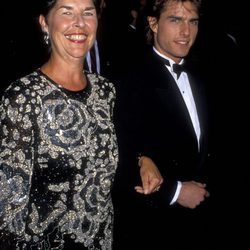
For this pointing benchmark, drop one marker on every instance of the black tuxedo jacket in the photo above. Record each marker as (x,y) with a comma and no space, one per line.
(159,125)
(152,119)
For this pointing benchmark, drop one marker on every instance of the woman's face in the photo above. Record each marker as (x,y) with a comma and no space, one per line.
(71,26)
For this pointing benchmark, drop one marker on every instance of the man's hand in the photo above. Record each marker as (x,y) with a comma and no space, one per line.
(192,194)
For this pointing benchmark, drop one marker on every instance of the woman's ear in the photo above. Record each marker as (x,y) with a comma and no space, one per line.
(43,24)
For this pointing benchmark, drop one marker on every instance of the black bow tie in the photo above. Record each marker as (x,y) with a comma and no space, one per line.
(177,68)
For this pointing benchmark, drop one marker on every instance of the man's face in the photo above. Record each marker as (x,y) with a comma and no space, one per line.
(176,30)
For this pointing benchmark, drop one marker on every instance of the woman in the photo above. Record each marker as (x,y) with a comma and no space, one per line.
(57,142)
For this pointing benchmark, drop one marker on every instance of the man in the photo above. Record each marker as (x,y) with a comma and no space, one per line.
(92,63)
(170,127)
(97,59)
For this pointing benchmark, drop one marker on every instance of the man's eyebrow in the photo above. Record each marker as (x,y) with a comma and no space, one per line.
(173,16)
(180,18)
(70,7)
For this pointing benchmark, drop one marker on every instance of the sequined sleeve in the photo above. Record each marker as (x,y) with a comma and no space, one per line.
(15,160)
(111,98)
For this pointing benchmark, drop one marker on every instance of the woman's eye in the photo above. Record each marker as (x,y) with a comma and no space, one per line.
(67,13)
(88,13)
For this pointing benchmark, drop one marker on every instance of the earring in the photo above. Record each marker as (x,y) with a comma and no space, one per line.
(46,38)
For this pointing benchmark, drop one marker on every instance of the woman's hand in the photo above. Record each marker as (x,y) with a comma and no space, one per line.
(150,176)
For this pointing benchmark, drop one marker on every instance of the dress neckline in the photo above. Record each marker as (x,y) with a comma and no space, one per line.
(86,89)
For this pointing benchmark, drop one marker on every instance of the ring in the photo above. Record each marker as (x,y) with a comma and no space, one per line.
(157,189)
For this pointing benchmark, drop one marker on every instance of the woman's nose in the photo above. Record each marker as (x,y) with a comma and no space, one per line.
(79,21)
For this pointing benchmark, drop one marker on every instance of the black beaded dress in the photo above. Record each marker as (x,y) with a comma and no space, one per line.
(58,157)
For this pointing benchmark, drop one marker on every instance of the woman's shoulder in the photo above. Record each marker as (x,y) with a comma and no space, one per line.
(24,81)
(100,82)
(23,86)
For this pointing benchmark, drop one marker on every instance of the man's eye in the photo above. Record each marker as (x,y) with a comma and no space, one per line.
(175,20)
(195,22)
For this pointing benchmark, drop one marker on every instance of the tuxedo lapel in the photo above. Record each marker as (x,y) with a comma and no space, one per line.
(172,101)
(200,102)
(169,94)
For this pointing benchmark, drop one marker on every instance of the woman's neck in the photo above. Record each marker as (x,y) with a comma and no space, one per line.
(70,77)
